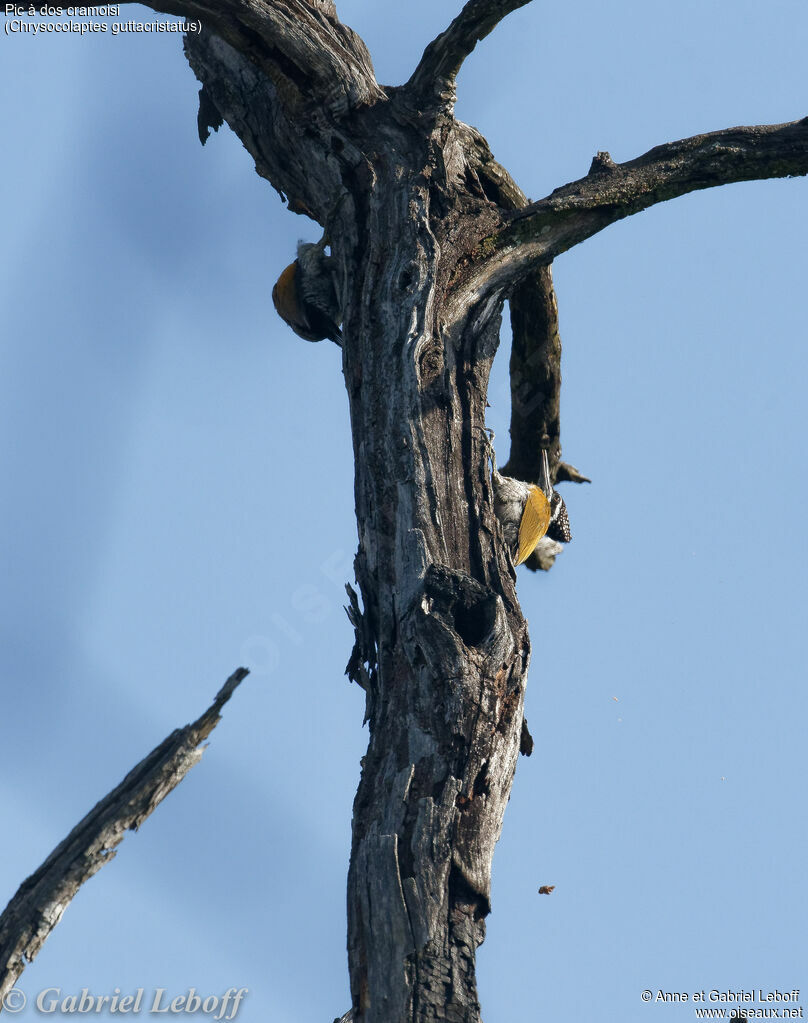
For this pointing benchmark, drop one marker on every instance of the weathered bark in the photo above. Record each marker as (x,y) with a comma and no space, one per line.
(430,237)
(452,644)
(611,191)
(41,899)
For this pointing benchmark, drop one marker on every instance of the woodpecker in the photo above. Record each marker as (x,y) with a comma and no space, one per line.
(531,516)
(305,296)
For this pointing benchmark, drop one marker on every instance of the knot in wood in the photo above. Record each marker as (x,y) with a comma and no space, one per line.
(602,163)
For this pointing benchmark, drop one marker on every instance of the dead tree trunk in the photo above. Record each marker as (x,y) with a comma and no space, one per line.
(444,642)
(429,236)
(448,647)
(452,648)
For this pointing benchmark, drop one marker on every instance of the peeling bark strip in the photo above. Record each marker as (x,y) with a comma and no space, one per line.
(41,899)
(429,236)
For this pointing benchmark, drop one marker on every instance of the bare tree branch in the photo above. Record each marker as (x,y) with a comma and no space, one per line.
(574,212)
(535,371)
(268,69)
(40,900)
(535,364)
(432,84)
(301,46)
(535,376)
(265,118)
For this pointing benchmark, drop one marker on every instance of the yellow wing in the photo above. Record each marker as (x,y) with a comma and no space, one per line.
(535,520)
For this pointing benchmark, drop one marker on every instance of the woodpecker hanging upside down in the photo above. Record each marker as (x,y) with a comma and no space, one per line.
(531,516)
(305,296)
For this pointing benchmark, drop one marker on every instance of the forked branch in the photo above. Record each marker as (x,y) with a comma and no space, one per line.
(40,900)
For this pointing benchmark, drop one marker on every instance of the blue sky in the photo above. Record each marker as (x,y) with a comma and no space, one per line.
(155,414)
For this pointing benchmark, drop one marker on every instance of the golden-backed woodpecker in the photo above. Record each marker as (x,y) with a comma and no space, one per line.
(531,516)
(305,296)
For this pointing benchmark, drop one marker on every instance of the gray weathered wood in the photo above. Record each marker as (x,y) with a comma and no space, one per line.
(41,899)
